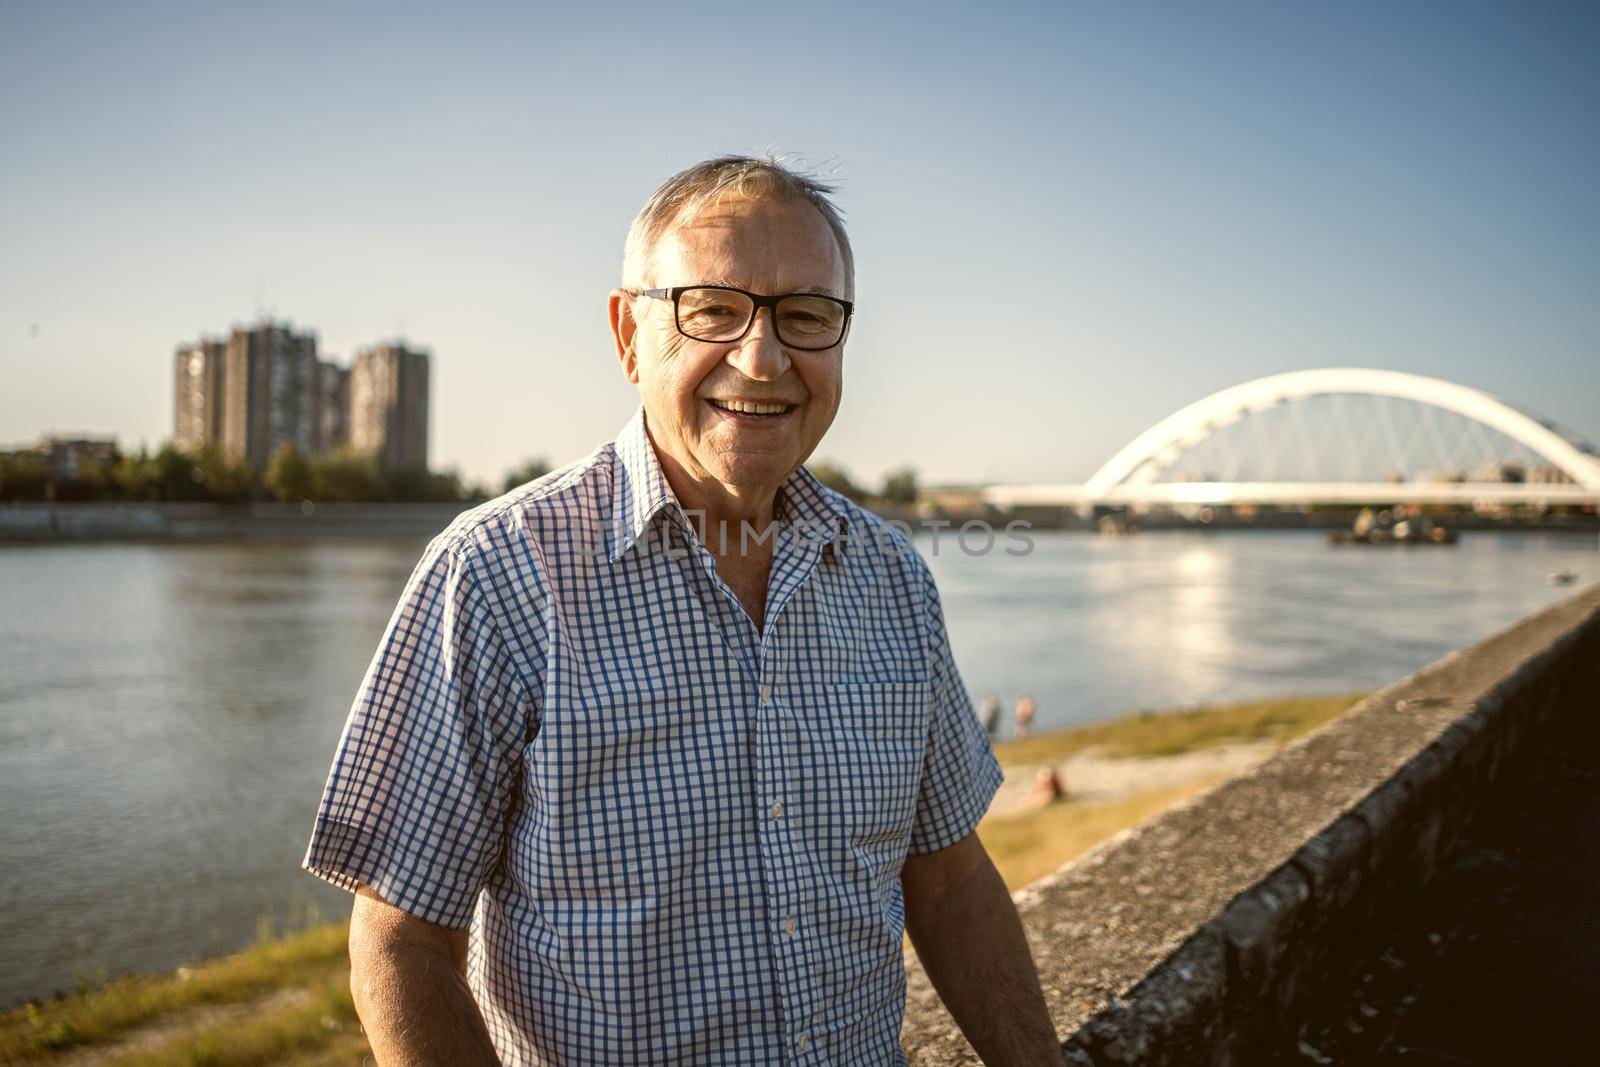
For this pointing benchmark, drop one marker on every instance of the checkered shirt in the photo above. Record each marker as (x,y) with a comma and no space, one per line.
(675,840)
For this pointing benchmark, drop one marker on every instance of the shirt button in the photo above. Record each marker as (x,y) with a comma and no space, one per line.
(802,1042)
(766,694)
(776,811)
(790,925)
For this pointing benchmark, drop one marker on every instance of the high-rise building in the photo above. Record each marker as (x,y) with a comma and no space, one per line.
(197,407)
(333,405)
(264,386)
(269,387)
(389,404)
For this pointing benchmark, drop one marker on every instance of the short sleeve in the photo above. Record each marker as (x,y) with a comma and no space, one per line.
(426,769)
(960,774)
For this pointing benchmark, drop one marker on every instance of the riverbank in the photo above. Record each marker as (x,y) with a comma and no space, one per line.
(48,523)
(55,523)
(286,1001)
(1118,773)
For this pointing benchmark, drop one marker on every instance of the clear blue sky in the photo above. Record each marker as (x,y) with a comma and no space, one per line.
(1070,219)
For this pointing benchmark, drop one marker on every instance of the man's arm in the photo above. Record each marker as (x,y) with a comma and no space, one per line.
(970,940)
(407,976)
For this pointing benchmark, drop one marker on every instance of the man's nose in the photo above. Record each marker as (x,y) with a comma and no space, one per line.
(760,355)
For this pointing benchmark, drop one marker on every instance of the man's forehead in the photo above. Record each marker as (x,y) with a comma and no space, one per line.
(744,283)
(731,242)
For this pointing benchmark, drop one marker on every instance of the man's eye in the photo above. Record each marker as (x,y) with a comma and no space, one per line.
(802,322)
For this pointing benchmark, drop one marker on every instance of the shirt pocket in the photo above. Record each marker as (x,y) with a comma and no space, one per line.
(880,733)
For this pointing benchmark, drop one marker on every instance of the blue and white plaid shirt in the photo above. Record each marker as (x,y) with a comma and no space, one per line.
(675,840)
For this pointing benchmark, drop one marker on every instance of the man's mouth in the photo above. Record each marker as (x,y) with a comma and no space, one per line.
(760,409)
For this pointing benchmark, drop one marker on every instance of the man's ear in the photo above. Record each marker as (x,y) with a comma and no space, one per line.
(624,331)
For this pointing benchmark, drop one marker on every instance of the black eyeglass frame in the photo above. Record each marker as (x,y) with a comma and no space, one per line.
(758,302)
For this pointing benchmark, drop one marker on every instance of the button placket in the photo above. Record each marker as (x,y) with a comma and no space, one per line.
(694,565)
(784,901)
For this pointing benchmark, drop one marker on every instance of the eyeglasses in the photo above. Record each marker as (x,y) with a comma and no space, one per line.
(721,313)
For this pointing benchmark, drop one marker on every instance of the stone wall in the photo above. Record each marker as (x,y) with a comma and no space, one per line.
(1203,935)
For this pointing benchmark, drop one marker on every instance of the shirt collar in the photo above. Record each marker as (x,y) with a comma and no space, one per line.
(640,491)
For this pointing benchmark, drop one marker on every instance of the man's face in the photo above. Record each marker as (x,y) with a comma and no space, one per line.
(766,247)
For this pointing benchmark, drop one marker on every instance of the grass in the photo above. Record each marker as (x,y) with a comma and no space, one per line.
(225,1011)
(107,1013)
(322,1029)
(1150,733)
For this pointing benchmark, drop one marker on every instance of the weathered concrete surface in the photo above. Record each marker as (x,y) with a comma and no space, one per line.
(1195,938)
(1498,962)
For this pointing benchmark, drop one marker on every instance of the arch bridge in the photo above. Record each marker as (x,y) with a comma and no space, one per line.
(1338,435)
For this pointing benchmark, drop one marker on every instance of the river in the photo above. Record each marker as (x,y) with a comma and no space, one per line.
(168,712)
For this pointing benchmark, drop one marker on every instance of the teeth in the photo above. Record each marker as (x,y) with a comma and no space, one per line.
(745,407)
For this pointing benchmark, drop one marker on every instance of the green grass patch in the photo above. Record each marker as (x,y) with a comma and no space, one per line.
(323,1027)
(346,1050)
(1167,733)
(100,1015)
(341,1050)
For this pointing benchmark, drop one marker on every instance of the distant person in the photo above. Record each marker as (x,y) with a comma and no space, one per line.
(1022,718)
(625,786)
(989,715)
(1047,787)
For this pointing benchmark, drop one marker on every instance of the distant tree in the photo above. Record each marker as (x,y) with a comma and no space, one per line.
(900,486)
(407,484)
(90,479)
(223,482)
(136,477)
(835,478)
(348,476)
(23,476)
(530,469)
(415,484)
(444,487)
(176,476)
(289,475)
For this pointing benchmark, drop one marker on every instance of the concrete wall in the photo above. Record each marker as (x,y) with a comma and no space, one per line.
(1205,934)
(21,523)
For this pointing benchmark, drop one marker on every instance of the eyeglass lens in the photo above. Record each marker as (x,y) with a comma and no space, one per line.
(721,315)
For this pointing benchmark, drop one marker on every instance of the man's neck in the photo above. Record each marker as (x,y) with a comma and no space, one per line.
(734,524)
(720,512)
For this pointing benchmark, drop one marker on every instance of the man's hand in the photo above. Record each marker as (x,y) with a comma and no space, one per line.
(407,977)
(970,940)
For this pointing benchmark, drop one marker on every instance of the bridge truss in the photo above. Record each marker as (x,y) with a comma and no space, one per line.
(1339,435)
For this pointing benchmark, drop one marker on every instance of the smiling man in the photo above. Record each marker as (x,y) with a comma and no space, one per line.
(661,753)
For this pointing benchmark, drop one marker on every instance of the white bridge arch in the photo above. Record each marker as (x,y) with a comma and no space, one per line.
(1128,477)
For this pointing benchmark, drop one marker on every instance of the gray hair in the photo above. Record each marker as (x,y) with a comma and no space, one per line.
(689,192)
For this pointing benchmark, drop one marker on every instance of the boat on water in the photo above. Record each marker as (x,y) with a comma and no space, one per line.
(1381,528)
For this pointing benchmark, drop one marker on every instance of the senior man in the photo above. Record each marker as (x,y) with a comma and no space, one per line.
(661,753)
